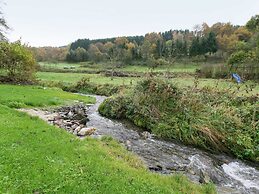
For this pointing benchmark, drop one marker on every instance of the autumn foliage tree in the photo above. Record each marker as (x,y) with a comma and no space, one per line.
(17,61)
(50,54)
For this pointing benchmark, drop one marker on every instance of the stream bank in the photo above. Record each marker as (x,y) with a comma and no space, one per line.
(228,174)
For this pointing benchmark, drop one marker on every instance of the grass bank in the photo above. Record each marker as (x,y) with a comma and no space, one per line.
(29,96)
(210,118)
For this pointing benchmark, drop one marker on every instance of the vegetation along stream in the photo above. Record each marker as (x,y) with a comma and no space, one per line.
(228,174)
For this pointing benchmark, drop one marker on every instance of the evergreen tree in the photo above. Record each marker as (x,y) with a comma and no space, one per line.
(212,46)
(173,49)
(195,47)
(167,35)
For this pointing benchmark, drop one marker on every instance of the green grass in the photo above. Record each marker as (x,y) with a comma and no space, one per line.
(39,158)
(222,84)
(75,77)
(28,96)
(75,66)
(248,88)
(59,65)
(184,68)
(172,68)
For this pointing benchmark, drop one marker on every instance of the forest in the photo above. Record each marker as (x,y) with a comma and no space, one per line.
(217,42)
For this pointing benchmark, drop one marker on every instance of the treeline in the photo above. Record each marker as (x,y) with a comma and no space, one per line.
(169,45)
(219,41)
(50,54)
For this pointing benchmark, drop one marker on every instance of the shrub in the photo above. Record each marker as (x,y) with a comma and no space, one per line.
(240,57)
(85,86)
(114,107)
(17,61)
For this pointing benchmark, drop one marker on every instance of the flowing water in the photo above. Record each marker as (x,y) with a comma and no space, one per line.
(228,174)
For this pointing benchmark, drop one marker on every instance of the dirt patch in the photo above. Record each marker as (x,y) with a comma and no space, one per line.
(42,114)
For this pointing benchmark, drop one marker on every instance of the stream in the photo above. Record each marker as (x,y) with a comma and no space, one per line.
(228,174)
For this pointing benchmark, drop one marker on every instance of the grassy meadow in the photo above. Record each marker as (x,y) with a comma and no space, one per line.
(73,67)
(178,68)
(75,77)
(37,96)
(249,88)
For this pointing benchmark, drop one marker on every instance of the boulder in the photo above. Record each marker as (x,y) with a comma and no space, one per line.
(86,131)
(70,114)
(146,135)
(77,129)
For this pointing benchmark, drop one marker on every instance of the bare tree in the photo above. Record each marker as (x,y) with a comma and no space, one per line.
(3,25)
(197,30)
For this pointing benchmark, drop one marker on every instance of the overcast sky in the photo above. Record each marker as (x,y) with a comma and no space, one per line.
(60,22)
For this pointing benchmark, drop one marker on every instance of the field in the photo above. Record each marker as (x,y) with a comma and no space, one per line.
(75,77)
(183,68)
(178,68)
(71,78)
(39,158)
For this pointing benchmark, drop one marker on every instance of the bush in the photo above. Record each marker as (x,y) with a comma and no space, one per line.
(240,57)
(245,63)
(85,86)
(114,107)
(17,61)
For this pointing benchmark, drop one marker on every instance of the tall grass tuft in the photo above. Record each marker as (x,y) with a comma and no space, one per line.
(246,71)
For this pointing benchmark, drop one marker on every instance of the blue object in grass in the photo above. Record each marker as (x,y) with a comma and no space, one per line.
(237,78)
